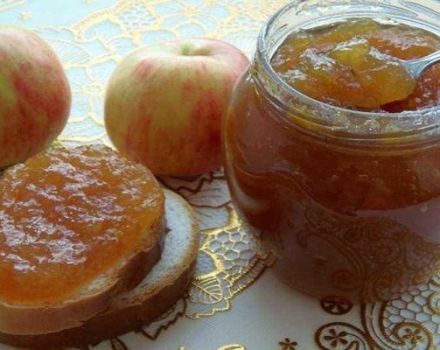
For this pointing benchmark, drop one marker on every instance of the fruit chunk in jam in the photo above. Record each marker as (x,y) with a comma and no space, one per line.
(353,64)
(68,215)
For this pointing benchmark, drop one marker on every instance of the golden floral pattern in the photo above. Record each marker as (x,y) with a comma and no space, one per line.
(341,336)
(408,322)
(231,258)
(288,344)
(336,305)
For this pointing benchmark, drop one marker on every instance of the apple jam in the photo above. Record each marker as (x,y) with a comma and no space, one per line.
(68,216)
(353,64)
(346,191)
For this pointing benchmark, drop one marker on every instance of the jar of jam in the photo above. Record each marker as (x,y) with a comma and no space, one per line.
(332,150)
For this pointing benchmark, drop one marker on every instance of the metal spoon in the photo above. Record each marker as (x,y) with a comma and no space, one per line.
(417,67)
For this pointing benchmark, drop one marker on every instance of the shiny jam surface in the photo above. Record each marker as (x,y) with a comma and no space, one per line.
(349,218)
(68,215)
(353,64)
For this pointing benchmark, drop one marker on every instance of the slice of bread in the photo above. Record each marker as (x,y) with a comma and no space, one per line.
(156,294)
(67,219)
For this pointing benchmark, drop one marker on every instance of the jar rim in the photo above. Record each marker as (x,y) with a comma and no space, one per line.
(263,56)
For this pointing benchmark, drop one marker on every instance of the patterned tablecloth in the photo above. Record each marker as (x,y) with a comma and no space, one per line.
(235,301)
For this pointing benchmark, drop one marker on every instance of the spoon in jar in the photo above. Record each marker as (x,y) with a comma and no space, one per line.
(417,66)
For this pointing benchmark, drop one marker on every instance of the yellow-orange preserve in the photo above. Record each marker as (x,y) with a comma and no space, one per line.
(349,197)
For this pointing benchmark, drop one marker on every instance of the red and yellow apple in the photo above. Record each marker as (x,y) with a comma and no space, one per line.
(34,95)
(165,103)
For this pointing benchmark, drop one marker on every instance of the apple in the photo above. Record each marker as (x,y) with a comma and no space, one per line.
(34,95)
(165,104)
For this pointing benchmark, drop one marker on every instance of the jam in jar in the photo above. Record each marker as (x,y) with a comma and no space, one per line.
(332,149)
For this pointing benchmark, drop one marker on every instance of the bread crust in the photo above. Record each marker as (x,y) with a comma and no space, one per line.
(108,325)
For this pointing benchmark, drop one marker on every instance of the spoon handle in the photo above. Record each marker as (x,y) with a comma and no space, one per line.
(417,66)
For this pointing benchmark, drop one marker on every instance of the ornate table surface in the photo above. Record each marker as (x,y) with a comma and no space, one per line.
(235,301)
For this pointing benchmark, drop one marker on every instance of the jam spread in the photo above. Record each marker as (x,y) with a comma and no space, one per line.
(352,217)
(68,215)
(353,64)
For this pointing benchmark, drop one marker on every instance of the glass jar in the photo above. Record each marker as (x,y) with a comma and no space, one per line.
(350,199)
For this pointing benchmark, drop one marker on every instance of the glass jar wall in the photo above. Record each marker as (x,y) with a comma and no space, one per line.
(349,199)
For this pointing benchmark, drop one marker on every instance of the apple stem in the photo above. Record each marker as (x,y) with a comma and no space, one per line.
(187,49)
